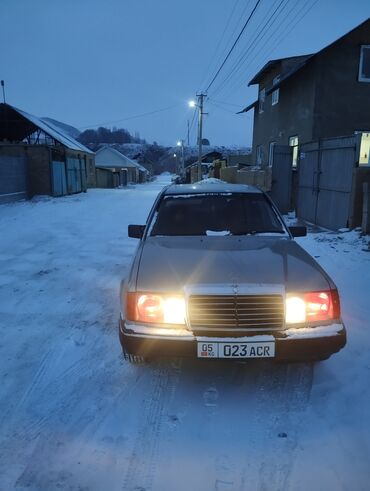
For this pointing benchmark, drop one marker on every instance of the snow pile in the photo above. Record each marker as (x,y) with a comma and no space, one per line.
(210,180)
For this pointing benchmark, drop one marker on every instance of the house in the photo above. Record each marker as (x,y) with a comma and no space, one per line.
(124,170)
(38,157)
(311,97)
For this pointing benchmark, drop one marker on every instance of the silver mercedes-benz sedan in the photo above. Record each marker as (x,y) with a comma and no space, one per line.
(217,274)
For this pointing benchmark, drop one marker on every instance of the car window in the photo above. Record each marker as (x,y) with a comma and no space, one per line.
(215,214)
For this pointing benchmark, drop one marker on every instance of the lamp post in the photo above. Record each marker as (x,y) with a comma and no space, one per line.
(180,144)
(201,97)
(176,164)
(3,87)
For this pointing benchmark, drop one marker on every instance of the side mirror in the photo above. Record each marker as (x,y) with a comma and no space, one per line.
(298,231)
(136,231)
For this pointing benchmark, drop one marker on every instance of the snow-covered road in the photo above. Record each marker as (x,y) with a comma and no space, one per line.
(75,416)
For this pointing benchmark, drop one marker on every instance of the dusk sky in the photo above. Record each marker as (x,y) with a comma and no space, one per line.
(101,62)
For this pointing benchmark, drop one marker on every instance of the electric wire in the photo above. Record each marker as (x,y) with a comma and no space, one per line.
(220,41)
(136,116)
(260,34)
(276,43)
(234,44)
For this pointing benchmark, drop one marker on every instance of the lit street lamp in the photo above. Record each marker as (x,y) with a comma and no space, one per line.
(201,98)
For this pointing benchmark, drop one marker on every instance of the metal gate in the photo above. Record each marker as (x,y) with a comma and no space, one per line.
(13,178)
(76,175)
(325,181)
(281,186)
(59,178)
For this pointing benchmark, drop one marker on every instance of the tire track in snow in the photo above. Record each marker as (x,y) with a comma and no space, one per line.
(72,435)
(284,395)
(143,460)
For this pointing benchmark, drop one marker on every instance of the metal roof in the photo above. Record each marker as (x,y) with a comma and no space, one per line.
(248,108)
(270,65)
(210,187)
(51,130)
(301,61)
(126,161)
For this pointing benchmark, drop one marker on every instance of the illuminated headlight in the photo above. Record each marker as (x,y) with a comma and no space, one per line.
(155,308)
(312,307)
(295,310)
(174,310)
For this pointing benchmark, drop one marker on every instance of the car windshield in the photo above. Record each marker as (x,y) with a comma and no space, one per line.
(215,214)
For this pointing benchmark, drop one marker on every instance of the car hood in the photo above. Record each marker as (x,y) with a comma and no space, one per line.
(173,264)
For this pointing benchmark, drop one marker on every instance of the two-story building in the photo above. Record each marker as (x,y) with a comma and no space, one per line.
(315,96)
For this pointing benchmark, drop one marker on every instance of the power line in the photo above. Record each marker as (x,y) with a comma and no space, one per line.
(130,117)
(220,40)
(277,41)
(260,34)
(234,44)
(223,102)
(214,104)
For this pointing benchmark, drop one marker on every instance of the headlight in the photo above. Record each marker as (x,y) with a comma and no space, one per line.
(312,306)
(295,310)
(155,308)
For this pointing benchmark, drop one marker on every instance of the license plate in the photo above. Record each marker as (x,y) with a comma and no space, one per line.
(260,349)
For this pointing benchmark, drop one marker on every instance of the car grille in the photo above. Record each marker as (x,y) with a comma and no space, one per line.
(240,312)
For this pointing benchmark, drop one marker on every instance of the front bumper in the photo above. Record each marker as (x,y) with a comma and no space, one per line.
(295,344)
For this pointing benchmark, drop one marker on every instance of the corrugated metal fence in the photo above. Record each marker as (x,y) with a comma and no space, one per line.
(325,181)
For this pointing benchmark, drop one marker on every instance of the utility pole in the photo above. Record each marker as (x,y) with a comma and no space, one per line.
(188,134)
(3,87)
(181,143)
(201,97)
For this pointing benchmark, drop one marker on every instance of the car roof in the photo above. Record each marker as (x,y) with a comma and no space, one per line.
(210,187)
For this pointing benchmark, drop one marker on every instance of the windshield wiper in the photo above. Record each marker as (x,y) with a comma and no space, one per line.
(254,232)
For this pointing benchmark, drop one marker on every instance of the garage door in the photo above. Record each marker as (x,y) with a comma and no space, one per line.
(13,182)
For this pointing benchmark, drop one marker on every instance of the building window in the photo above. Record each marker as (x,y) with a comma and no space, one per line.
(259,155)
(364,158)
(275,93)
(293,142)
(261,100)
(271,153)
(364,71)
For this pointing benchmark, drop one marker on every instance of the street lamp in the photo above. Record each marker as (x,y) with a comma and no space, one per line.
(201,98)
(180,144)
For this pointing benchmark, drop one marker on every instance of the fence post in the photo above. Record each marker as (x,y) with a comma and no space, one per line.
(366,208)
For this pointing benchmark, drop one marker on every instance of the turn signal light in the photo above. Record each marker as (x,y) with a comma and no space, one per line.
(155,308)
(312,307)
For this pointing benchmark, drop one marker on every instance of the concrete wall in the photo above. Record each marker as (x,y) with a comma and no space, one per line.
(239,159)
(361,176)
(39,178)
(292,115)
(342,104)
(323,99)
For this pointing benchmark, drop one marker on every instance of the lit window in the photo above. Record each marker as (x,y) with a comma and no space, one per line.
(364,158)
(293,142)
(364,69)
(271,153)
(275,94)
(261,100)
